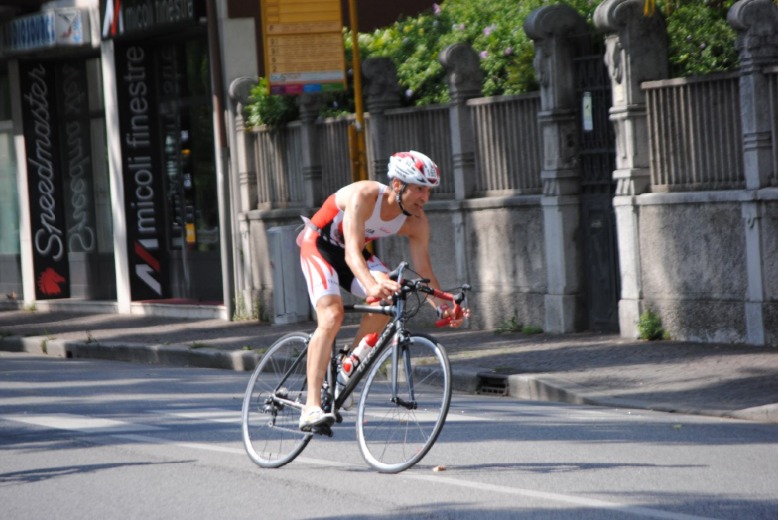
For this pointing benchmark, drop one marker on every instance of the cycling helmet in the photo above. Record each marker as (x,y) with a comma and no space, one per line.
(414,168)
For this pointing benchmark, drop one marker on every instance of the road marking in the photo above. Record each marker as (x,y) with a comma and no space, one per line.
(205,414)
(557,497)
(234,417)
(80,423)
(147,439)
(123,430)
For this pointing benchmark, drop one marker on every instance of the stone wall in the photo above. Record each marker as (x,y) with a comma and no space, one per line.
(705,261)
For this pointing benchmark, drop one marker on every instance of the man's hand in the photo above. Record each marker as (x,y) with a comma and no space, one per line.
(453,317)
(384,288)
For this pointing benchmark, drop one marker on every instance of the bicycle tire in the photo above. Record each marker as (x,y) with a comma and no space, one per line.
(271,433)
(392,437)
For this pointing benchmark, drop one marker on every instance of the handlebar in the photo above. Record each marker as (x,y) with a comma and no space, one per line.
(421,285)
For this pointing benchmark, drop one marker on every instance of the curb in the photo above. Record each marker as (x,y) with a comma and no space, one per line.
(528,387)
(172,355)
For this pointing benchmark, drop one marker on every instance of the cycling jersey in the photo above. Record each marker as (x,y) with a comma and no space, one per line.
(329,221)
(322,253)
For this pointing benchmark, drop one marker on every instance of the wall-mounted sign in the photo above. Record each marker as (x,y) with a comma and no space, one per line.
(143,174)
(44,180)
(60,27)
(303,46)
(586,112)
(131,17)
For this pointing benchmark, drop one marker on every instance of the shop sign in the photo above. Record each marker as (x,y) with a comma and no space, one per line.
(143,175)
(129,17)
(50,260)
(61,27)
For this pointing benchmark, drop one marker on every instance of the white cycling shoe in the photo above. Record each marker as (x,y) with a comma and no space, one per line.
(312,417)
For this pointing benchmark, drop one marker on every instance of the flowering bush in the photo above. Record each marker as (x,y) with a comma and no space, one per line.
(494,29)
(700,41)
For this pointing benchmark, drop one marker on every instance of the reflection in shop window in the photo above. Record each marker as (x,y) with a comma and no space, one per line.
(186,119)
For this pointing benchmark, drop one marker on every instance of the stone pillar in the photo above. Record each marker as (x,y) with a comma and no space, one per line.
(309,111)
(756,23)
(464,78)
(635,51)
(382,93)
(244,161)
(244,192)
(554,30)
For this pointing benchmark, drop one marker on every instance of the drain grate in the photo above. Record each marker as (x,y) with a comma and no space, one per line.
(492,384)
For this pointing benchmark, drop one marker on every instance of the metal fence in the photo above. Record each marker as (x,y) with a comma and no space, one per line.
(507,149)
(277,155)
(334,153)
(694,133)
(508,144)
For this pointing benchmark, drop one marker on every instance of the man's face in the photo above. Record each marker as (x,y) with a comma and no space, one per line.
(415,197)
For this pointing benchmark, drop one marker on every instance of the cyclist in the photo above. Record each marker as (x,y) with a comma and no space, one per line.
(333,255)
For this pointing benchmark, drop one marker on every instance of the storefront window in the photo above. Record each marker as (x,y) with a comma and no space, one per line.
(191,204)
(9,201)
(10,270)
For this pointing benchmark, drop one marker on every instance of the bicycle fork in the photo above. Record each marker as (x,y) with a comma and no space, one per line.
(400,352)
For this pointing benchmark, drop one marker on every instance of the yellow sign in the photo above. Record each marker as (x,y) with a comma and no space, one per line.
(303,46)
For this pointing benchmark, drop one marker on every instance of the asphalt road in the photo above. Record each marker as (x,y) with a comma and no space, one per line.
(88,439)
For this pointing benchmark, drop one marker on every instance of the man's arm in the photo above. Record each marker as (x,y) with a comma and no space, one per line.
(419,242)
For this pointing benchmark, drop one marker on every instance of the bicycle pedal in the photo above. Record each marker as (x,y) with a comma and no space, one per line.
(324,429)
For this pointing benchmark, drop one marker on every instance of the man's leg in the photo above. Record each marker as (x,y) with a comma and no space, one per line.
(329,312)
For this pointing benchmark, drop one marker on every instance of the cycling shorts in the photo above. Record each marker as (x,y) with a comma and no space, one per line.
(325,268)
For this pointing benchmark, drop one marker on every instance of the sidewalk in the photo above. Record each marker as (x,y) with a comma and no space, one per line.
(585,368)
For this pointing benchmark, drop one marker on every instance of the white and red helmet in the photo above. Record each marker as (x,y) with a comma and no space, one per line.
(414,168)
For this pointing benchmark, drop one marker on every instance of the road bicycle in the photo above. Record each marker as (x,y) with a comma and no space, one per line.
(402,406)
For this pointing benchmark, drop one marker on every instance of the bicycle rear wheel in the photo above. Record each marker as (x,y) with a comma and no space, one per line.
(395,434)
(271,433)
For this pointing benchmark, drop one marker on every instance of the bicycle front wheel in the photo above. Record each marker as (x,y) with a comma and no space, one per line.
(271,433)
(396,428)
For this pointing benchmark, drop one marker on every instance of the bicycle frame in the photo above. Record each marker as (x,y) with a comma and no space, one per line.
(393,335)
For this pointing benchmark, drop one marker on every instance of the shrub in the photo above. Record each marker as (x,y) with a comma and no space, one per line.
(701,40)
(270,110)
(650,327)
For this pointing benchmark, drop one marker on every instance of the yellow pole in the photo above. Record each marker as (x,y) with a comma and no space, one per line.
(357,131)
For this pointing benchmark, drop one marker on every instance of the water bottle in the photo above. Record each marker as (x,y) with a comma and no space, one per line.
(352,361)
